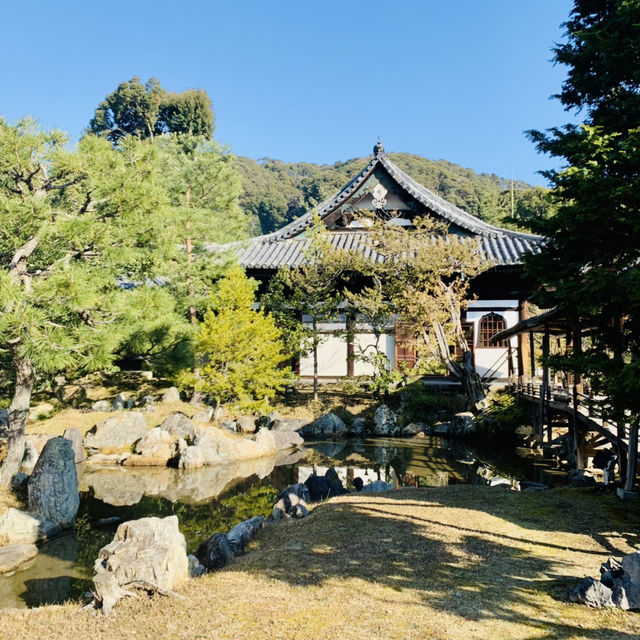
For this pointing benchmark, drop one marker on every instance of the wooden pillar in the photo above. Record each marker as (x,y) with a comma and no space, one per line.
(532,356)
(509,362)
(545,383)
(632,460)
(578,436)
(521,353)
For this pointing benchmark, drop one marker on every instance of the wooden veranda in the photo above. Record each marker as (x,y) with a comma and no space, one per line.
(560,400)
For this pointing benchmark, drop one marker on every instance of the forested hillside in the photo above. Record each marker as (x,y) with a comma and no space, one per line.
(275,192)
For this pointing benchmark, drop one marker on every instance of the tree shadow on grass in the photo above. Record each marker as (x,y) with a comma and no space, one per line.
(470,562)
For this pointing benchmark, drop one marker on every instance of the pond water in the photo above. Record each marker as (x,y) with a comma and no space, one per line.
(213,499)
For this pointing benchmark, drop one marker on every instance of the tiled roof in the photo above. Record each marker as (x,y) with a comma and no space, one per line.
(285,247)
(500,249)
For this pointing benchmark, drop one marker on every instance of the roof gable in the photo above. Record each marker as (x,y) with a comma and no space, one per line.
(384,188)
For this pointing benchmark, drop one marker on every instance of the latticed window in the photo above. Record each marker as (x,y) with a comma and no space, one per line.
(491,324)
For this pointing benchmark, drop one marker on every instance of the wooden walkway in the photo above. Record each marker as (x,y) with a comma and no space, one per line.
(581,411)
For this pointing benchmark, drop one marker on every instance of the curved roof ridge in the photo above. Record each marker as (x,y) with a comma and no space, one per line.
(300,224)
(445,208)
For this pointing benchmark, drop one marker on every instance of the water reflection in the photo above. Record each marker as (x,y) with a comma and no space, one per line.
(215,498)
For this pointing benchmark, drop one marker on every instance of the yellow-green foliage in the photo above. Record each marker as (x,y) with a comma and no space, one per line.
(239,347)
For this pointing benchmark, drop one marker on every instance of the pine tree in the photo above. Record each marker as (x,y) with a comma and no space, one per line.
(75,226)
(239,348)
(591,261)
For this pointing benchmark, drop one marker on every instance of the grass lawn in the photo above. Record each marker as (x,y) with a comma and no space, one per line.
(457,562)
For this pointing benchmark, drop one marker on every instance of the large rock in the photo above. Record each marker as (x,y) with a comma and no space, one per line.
(631,566)
(215,552)
(292,503)
(29,457)
(191,458)
(119,402)
(287,424)
(247,424)
(151,550)
(178,425)
(151,439)
(272,441)
(300,490)
(220,446)
(75,438)
(442,429)
(53,485)
(327,426)
(358,427)
(464,423)
(376,486)
(20,527)
(414,428)
(384,422)
(171,395)
(320,488)
(41,411)
(240,535)
(203,416)
(592,593)
(101,405)
(15,555)
(114,435)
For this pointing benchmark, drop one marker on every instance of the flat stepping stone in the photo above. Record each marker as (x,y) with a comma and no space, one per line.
(14,555)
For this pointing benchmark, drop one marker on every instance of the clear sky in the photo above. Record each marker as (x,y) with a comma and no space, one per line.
(306,80)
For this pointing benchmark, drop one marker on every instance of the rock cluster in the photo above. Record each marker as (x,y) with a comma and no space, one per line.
(386,424)
(619,585)
(124,439)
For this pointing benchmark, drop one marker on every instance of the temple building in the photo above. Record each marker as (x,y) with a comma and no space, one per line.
(383,188)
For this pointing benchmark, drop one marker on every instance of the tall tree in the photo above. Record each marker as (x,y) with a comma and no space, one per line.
(422,276)
(591,261)
(72,225)
(146,110)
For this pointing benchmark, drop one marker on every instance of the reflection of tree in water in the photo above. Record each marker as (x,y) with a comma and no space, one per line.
(430,462)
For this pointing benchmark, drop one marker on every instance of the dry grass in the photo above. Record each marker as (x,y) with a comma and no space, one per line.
(9,499)
(299,403)
(461,562)
(84,420)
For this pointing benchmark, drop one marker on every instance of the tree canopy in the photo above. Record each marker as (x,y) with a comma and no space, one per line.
(239,348)
(147,110)
(88,239)
(591,263)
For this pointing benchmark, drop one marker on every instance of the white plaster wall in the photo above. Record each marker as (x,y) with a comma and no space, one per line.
(362,340)
(486,359)
(332,359)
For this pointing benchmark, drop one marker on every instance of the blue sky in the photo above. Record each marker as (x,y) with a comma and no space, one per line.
(306,80)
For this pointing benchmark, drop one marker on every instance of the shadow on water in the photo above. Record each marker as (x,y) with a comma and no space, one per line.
(215,498)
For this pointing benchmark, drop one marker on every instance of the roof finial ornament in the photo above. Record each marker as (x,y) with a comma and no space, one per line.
(378,149)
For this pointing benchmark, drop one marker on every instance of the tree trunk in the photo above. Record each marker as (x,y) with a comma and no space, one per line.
(18,413)
(315,359)
(197,397)
(463,371)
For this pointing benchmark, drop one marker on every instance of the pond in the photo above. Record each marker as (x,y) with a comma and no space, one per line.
(213,499)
